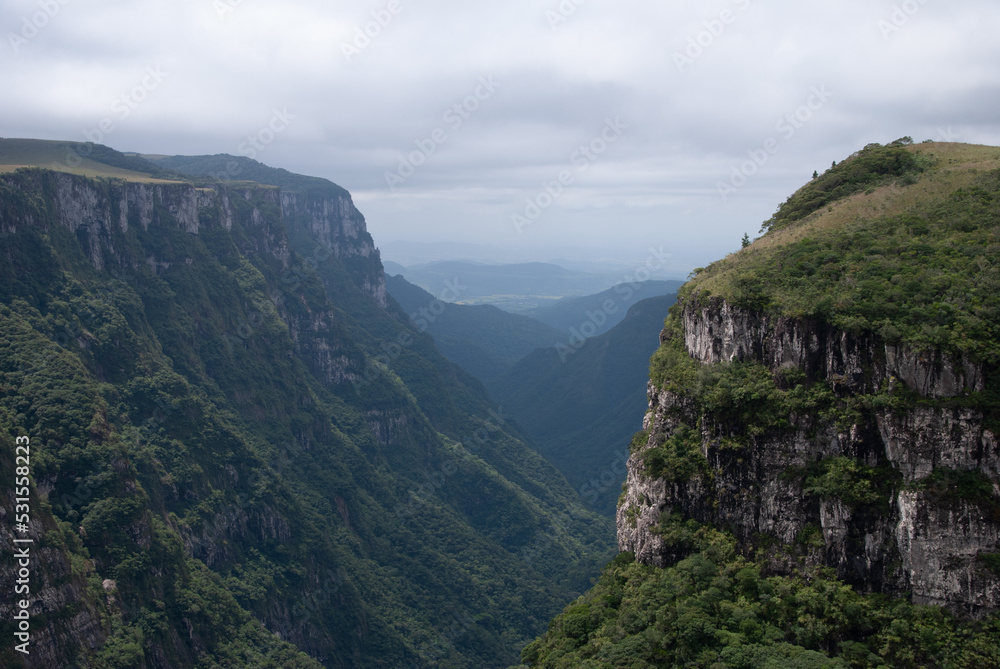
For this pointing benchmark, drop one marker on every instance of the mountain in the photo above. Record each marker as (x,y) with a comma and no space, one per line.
(394,269)
(517,287)
(596,314)
(817,482)
(224,167)
(86,159)
(481,339)
(581,400)
(237,450)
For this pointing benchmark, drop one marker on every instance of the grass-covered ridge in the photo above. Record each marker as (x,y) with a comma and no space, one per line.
(873,166)
(906,250)
(715,609)
(81,158)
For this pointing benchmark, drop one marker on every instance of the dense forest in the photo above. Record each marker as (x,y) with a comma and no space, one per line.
(242,451)
(817,483)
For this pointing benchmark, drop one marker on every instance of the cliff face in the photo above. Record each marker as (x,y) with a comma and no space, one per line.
(335,226)
(129,230)
(232,418)
(96,213)
(905,534)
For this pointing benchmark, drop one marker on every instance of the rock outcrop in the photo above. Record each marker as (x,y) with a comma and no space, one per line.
(915,536)
(101,213)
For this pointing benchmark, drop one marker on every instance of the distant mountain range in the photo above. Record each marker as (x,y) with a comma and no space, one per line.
(608,260)
(592,315)
(481,339)
(518,288)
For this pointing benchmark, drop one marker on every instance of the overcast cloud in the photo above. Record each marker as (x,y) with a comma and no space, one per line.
(581,128)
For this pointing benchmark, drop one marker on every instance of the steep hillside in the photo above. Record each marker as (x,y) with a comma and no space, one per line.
(581,401)
(243,454)
(818,479)
(479,338)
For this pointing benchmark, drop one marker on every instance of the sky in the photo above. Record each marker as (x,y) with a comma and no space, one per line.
(625,132)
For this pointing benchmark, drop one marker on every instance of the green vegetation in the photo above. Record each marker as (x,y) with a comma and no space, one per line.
(873,166)
(82,158)
(715,609)
(201,444)
(898,242)
(852,482)
(224,167)
(581,403)
(481,339)
(747,400)
(992,561)
(912,266)
(954,486)
(677,459)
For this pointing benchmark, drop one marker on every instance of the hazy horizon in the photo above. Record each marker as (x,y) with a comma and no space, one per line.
(572,129)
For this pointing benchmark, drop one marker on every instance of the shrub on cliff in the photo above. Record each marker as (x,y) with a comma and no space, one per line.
(716,609)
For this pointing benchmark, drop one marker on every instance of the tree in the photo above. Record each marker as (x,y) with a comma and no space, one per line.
(746,240)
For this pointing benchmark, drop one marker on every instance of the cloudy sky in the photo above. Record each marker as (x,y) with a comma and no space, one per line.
(533,129)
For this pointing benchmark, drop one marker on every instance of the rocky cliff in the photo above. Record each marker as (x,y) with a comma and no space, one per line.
(816,480)
(132,230)
(247,455)
(822,444)
(98,212)
(908,540)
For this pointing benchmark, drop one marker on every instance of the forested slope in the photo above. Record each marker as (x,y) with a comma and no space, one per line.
(243,454)
(817,481)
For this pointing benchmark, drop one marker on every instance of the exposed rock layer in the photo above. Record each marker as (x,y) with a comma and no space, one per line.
(71,617)
(916,542)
